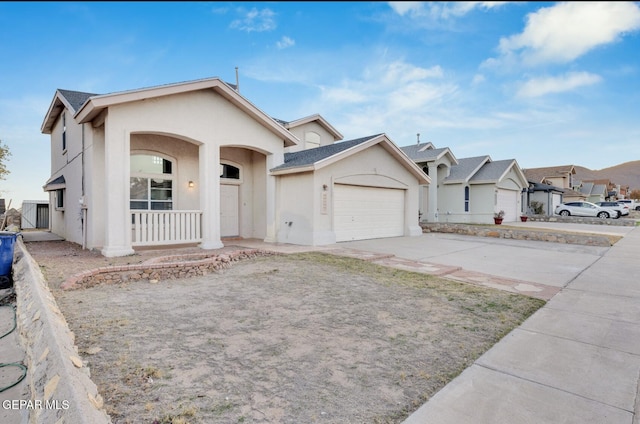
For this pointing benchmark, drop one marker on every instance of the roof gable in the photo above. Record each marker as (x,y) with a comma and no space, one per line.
(538,175)
(465,169)
(495,171)
(308,157)
(426,152)
(71,100)
(319,157)
(316,117)
(95,104)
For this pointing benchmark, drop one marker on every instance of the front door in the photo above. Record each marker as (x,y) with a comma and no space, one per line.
(229,210)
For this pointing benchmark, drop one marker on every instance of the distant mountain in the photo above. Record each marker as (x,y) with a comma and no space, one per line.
(625,174)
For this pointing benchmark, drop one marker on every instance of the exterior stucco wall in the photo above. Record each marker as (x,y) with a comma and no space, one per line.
(68,163)
(482,200)
(202,117)
(483,203)
(94,182)
(451,203)
(294,216)
(300,131)
(511,181)
(562,182)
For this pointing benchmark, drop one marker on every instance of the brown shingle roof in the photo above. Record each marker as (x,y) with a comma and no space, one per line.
(538,175)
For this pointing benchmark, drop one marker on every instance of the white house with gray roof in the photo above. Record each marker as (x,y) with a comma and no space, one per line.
(196,163)
(468,190)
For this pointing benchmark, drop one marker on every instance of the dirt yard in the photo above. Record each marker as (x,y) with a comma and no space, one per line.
(301,338)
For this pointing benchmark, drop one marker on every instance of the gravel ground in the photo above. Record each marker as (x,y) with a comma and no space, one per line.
(300,338)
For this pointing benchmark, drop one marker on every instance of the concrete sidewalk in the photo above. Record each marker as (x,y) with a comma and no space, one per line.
(576,360)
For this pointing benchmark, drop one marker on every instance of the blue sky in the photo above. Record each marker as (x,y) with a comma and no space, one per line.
(544,83)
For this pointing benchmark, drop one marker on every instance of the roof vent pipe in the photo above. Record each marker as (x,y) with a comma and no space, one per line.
(418,138)
(237,81)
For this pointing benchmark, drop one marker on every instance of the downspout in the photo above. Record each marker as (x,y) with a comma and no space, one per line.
(83,206)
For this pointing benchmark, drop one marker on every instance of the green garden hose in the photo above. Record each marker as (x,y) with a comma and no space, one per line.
(15,364)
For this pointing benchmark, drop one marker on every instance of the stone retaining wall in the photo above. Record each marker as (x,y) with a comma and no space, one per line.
(517,234)
(60,383)
(164,268)
(623,222)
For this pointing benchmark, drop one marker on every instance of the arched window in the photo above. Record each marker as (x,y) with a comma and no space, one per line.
(151,183)
(466,199)
(229,171)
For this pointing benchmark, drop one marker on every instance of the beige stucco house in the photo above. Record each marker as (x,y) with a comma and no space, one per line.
(196,162)
(467,190)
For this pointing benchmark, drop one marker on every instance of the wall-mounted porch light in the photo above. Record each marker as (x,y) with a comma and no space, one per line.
(191,184)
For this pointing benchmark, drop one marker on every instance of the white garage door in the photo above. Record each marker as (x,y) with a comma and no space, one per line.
(508,202)
(362,213)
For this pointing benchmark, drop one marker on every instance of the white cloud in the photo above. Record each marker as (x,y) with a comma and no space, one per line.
(478,79)
(537,87)
(440,10)
(394,97)
(342,95)
(255,20)
(285,42)
(566,31)
(406,7)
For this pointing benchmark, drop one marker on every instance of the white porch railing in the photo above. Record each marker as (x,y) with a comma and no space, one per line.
(154,228)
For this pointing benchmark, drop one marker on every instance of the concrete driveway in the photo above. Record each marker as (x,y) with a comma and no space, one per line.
(551,264)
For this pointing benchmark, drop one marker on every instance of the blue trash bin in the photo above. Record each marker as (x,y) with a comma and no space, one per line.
(7,241)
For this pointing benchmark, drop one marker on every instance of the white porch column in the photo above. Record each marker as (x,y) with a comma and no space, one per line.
(273,160)
(117,220)
(209,164)
(432,212)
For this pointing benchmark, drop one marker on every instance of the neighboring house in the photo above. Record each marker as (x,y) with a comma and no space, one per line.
(195,162)
(436,163)
(594,192)
(543,196)
(561,177)
(468,190)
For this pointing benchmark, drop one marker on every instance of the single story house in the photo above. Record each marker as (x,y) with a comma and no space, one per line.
(467,190)
(195,162)
(594,192)
(542,199)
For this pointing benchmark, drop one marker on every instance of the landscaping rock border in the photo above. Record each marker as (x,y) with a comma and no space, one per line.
(162,268)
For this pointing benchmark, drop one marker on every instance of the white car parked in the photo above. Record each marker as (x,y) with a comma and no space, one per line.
(632,204)
(585,209)
(623,209)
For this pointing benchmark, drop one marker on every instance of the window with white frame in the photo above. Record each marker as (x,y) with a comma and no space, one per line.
(151,182)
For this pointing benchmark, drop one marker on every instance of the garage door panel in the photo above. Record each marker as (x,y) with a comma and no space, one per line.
(508,202)
(367,212)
